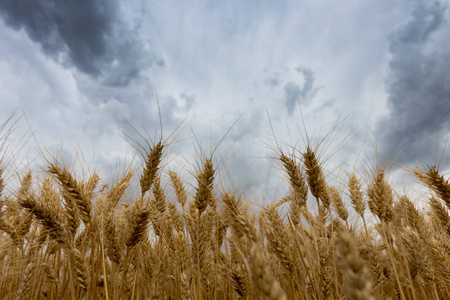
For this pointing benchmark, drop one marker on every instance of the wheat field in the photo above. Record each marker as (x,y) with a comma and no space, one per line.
(64,236)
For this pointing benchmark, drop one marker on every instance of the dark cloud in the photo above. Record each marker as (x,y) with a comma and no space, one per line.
(189,100)
(418,84)
(294,92)
(273,81)
(86,34)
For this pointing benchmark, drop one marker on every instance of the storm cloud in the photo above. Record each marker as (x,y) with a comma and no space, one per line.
(93,68)
(418,84)
(88,35)
(294,92)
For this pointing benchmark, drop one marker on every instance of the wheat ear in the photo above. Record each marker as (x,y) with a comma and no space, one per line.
(314,173)
(138,221)
(203,193)
(296,180)
(117,191)
(263,278)
(436,182)
(357,285)
(72,193)
(441,214)
(151,167)
(50,220)
(338,203)
(179,188)
(2,182)
(238,221)
(381,199)
(356,195)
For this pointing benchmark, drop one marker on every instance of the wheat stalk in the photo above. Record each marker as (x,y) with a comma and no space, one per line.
(356,282)
(151,167)
(203,193)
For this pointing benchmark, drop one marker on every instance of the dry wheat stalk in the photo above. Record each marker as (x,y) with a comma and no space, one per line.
(204,191)
(325,268)
(185,290)
(87,189)
(356,195)
(414,219)
(436,182)
(338,203)
(25,287)
(118,190)
(175,217)
(24,222)
(151,167)
(419,257)
(74,203)
(179,188)
(263,278)
(296,180)
(279,240)
(50,219)
(80,270)
(356,280)
(441,214)
(315,177)
(158,199)
(381,199)
(441,257)
(237,219)
(239,280)
(308,254)
(138,220)
(112,242)
(2,183)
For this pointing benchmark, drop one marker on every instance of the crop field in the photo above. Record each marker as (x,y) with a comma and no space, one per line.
(67,236)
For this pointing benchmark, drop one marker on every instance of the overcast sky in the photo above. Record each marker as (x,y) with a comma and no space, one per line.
(81,70)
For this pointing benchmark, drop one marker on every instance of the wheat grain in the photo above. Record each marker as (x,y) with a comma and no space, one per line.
(267,284)
(151,167)
(381,199)
(203,193)
(338,203)
(179,188)
(356,282)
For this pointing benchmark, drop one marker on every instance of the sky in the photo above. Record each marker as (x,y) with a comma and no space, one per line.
(84,73)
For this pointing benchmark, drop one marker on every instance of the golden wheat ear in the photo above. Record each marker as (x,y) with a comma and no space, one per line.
(266,283)
(297,182)
(138,221)
(237,220)
(204,190)
(76,206)
(435,182)
(380,197)
(2,183)
(179,188)
(151,167)
(357,284)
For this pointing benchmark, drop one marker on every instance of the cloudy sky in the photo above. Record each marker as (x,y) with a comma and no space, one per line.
(81,71)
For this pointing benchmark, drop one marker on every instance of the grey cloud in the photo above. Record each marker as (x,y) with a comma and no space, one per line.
(418,84)
(425,20)
(189,100)
(293,92)
(248,125)
(85,34)
(273,81)
(308,84)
